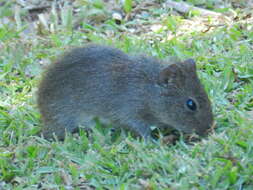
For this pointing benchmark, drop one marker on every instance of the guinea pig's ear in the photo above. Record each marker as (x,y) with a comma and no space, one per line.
(172,74)
(190,65)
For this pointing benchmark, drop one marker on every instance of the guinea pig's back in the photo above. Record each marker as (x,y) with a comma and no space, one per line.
(87,78)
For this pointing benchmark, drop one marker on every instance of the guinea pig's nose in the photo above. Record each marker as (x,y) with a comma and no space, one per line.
(205,130)
(202,132)
(211,128)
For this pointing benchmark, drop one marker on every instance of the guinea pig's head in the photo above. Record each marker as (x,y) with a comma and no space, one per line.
(186,106)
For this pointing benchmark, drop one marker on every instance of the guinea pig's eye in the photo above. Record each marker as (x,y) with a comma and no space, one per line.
(190,103)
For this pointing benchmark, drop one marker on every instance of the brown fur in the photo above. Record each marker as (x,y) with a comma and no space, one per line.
(133,92)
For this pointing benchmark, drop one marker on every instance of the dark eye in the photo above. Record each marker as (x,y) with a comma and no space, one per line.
(190,103)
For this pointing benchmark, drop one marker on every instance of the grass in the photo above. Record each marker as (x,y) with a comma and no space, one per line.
(223,160)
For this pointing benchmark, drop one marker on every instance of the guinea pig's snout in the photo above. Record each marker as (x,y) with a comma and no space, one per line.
(205,130)
(211,128)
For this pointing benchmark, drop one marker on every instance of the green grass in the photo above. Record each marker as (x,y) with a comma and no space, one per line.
(223,160)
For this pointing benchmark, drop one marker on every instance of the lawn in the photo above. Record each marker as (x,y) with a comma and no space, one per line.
(34,35)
